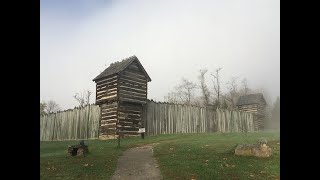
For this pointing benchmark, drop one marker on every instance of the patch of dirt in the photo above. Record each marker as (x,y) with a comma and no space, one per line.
(137,163)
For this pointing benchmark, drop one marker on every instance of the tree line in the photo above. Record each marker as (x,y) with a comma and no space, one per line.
(185,91)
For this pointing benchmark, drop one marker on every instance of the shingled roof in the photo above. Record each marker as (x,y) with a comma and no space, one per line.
(119,66)
(251,99)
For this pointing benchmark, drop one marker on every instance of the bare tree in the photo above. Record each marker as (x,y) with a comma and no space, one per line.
(172,97)
(88,93)
(245,87)
(52,107)
(186,91)
(203,86)
(83,98)
(80,98)
(233,93)
(197,101)
(217,85)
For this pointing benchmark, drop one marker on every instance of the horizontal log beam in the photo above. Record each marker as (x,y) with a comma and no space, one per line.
(110,116)
(129,119)
(134,74)
(132,88)
(106,90)
(102,96)
(130,108)
(141,73)
(129,129)
(123,92)
(107,83)
(109,109)
(108,119)
(108,113)
(103,101)
(108,97)
(108,78)
(133,78)
(132,82)
(131,96)
(132,100)
(106,87)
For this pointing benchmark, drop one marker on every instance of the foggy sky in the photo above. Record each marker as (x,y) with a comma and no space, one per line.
(172,39)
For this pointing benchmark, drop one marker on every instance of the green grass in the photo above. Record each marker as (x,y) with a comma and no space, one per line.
(210,156)
(180,156)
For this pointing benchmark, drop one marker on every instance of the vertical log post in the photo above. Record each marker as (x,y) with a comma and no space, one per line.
(118,138)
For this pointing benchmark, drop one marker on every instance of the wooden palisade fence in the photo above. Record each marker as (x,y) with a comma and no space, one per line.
(165,118)
(79,123)
(157,118)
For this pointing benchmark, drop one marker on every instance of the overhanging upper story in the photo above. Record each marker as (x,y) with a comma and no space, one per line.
(124,81)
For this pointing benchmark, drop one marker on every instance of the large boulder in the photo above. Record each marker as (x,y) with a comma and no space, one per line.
(259,150)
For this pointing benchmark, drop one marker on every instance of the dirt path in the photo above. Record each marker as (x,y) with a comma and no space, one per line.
(137,163)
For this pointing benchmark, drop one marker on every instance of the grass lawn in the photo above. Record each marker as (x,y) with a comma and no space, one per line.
(180,156)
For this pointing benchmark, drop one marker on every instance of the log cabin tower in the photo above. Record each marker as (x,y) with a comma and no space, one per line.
(121,92)
(255,104)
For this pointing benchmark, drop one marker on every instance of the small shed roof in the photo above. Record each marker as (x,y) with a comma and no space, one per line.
(119,66)
(251,99)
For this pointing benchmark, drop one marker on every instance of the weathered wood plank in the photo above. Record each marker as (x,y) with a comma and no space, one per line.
(101,101)
(108,113)
(132,84)
(107,95)
(132,88)
(126,96)
(132,100)
(107,87)
(125,92)
(133,79)
(136,74)
(107,83)
(130,96)
(72,124)
(140,73)
(108,78)
(106,90)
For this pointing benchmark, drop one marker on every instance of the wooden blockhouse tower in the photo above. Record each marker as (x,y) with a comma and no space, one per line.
(256,104)
(121,91)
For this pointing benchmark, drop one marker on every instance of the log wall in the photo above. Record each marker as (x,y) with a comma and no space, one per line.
(259,114)
(109,119)
(132,85)
(130,118)
(107,89)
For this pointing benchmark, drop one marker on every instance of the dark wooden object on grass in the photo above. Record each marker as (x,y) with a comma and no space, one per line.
(78,150)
